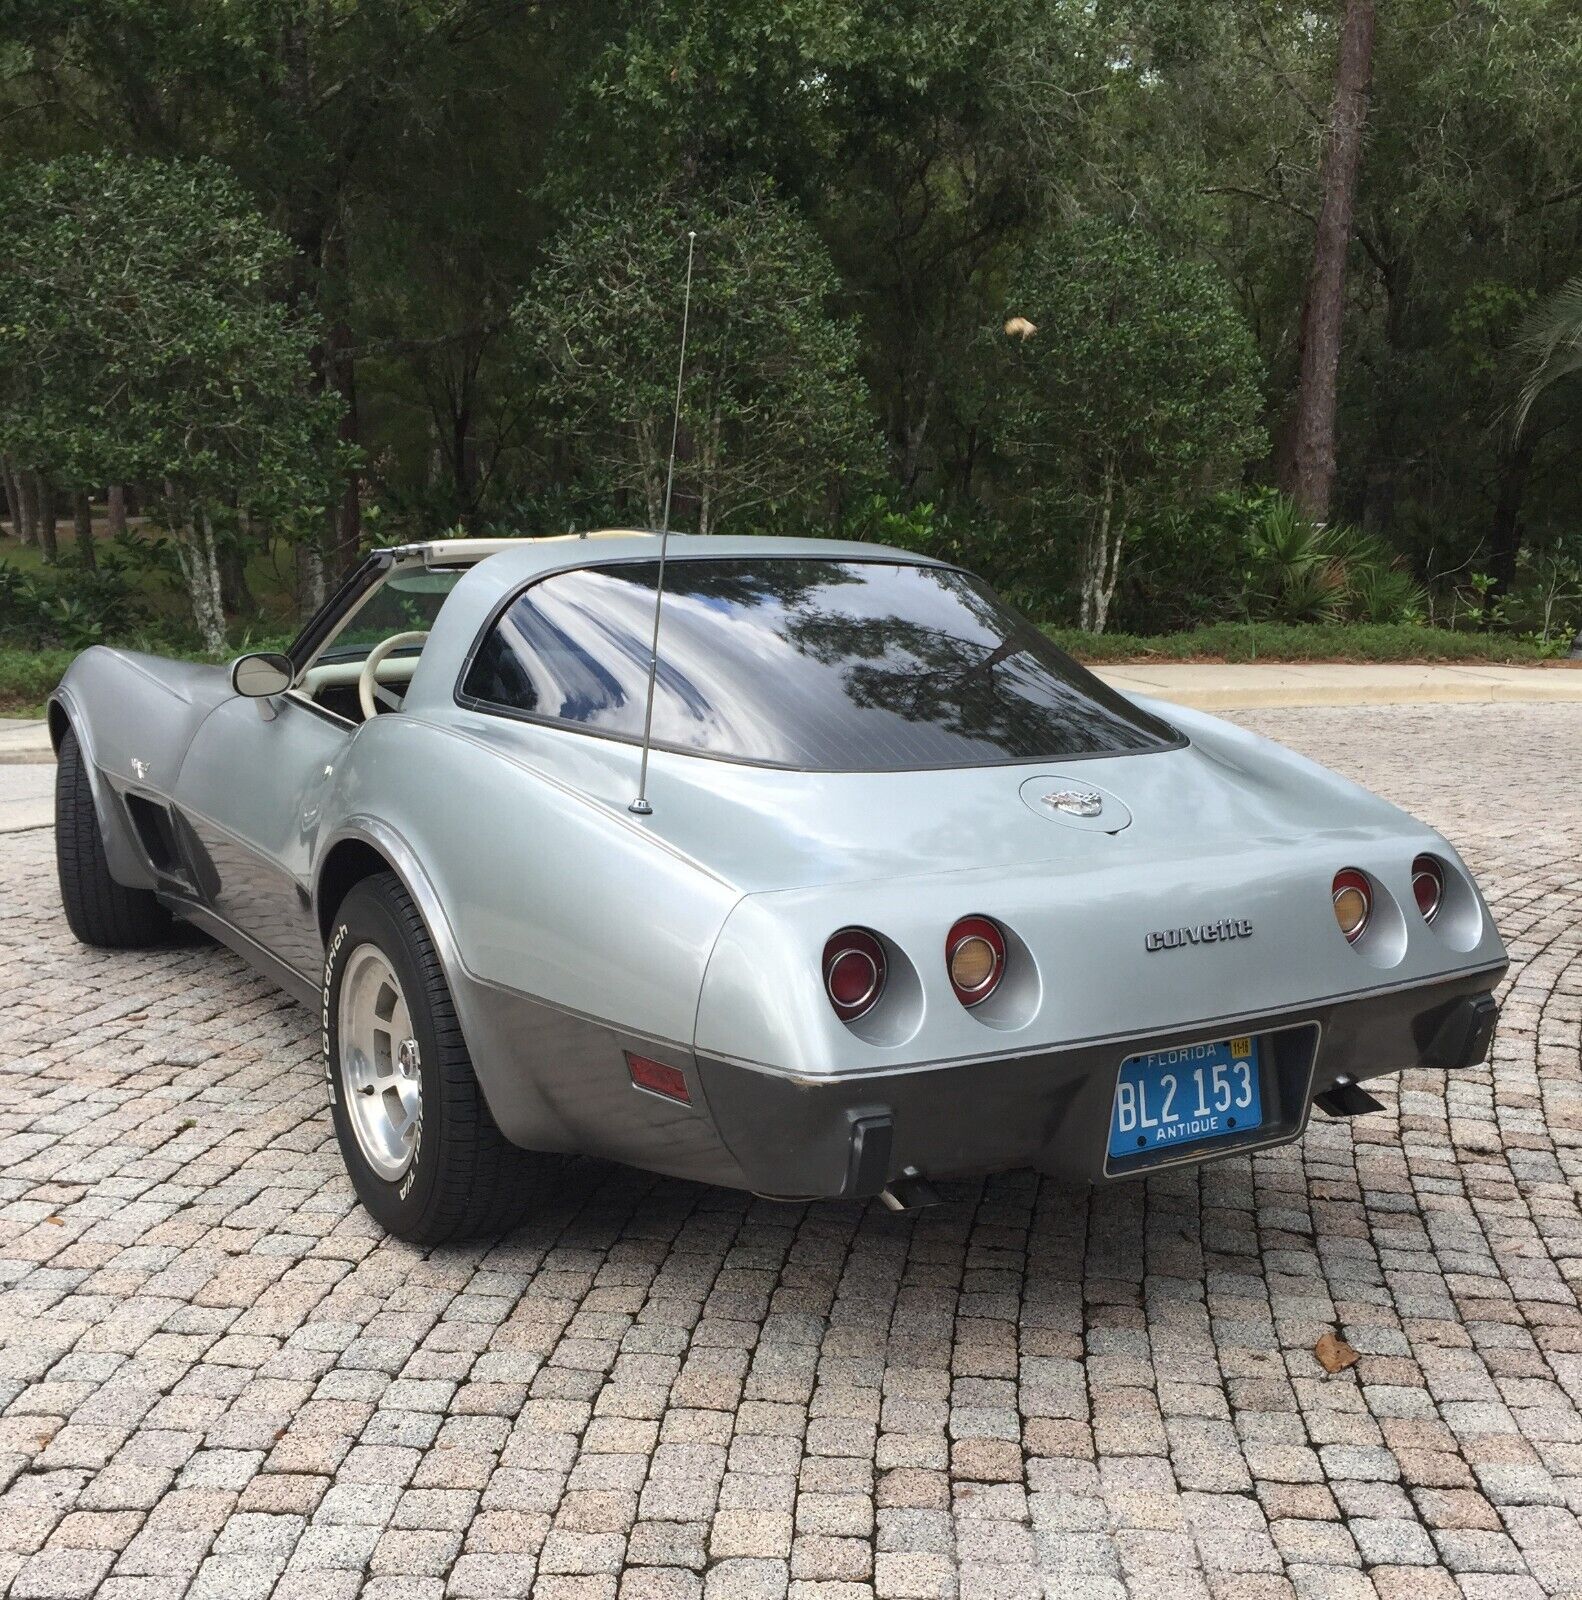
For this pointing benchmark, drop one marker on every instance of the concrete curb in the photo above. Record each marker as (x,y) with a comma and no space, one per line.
(24,741)
(1208,686)
(27,798)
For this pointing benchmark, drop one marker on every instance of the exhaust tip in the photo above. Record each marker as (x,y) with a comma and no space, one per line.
(911,1191)
(1346,1099)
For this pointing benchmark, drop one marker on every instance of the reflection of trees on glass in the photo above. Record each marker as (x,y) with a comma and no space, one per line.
(742,585)
(832,665)
(1002,692)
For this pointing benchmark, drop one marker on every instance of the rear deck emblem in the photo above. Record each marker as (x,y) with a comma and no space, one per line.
(1076,802)
(1203,933)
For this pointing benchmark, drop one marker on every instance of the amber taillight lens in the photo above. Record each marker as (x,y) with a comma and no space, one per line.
(1353,900)
(854,972)
(1428,886)
(975,959)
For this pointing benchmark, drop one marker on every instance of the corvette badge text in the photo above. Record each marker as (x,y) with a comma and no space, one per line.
(1203,933)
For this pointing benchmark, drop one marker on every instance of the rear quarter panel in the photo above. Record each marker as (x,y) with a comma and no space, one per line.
(573,934)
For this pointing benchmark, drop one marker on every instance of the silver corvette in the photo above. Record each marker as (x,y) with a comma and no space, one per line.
(909,892)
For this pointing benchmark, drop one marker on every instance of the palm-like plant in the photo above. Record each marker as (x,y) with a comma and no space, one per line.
(1295,575)
(1306,571)
(1551,344)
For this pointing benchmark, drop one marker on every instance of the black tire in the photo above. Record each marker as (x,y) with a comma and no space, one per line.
(465,1177)
(99,910)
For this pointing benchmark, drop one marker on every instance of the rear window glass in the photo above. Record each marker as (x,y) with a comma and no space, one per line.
(817,664)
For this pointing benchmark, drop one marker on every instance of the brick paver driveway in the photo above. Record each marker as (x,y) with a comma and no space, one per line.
(218,1380)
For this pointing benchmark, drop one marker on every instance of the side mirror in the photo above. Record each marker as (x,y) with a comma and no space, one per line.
(258,676)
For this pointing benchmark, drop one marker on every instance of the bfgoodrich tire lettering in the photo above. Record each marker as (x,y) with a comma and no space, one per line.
(99,911)
(464,1176)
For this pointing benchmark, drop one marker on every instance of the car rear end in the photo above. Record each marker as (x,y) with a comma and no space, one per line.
(1095,1017)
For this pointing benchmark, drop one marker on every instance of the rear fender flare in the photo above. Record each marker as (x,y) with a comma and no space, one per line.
(403,861)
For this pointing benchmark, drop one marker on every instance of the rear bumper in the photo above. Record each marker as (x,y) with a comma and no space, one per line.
(849,1136)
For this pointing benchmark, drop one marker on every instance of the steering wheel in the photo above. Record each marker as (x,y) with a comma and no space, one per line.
(370,696)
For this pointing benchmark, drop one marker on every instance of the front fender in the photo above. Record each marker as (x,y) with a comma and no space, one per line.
(125,859)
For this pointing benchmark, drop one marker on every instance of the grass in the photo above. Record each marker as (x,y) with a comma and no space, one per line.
(26,678)
(1279,642)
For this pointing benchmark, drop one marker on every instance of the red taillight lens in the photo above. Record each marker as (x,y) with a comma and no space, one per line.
(854,970)
(975,959)
(1428,886)
(658,1078)
(1353,899)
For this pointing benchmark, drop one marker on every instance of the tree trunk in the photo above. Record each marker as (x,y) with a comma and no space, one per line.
(16,510)
(44,499)
(1312,467)
(1101,561)
(234,590)
(1393,386)
(26,492)
(82,524)
(708,475)
(312,587)
(649,465)
(1505,527)
(340,373)
(200,565)
(115,510)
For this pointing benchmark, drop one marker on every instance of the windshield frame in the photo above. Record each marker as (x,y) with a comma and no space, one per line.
(468,702)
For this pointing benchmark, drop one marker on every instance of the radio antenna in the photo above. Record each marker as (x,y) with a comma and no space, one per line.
(640,806)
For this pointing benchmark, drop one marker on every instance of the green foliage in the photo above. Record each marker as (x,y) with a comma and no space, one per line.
(1142,375)
(71,607)
(1188,565)
(1544,604)
(774,411)
(65,608)
(28,678)
(1551,343)
(1277,641)
(145,339)
(1138,390)
(1303,571)
(428,159)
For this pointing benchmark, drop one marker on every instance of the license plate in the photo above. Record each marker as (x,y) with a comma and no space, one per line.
(1186,1095)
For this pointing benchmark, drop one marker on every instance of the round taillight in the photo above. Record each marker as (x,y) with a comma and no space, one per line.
(1353,897)
(1428,886)
(975,959)
(854,969)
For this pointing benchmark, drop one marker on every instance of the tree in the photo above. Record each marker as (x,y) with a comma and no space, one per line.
(311,108)
(1139,386)
(773,411)
(1312,473)
(146,340)
(921,138)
